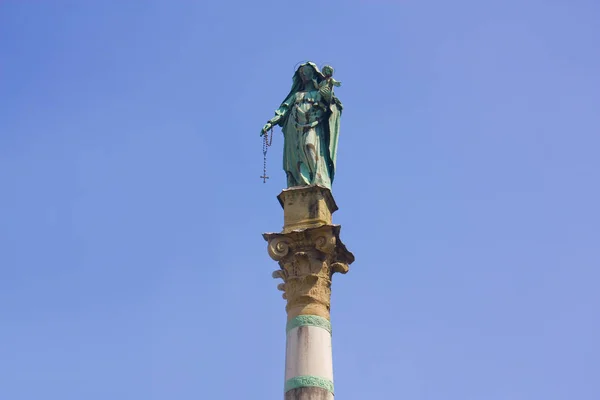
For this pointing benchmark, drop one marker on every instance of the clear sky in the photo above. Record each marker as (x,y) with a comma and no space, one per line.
(131,259)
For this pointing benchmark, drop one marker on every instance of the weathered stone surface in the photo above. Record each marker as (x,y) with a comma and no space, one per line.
(308,393)
(308,353)
(308,258)
(306,207)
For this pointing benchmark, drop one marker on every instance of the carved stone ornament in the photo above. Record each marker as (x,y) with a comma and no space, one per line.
(308,258)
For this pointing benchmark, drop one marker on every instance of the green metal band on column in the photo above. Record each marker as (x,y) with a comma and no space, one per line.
(308,320)
(308,381)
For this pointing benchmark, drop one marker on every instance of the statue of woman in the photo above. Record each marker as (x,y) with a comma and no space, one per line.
(310,121)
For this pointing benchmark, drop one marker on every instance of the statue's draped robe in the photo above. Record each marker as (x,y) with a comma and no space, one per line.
(310,126)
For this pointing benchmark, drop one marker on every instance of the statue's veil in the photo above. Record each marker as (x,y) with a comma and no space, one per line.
(297,81)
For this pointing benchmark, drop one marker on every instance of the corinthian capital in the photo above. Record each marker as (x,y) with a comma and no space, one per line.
(308,258)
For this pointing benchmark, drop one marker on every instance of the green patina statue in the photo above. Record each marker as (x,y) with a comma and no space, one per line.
(310,121)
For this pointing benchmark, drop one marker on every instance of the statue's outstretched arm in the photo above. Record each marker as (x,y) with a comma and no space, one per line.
(280,114)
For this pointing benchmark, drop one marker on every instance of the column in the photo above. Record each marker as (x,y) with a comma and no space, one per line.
(309,251)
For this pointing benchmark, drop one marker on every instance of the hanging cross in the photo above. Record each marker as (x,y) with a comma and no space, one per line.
(264,178)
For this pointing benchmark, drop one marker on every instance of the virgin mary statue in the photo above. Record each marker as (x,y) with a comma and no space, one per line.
(310,121)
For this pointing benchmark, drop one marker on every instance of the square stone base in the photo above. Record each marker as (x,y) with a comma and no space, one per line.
(306,207)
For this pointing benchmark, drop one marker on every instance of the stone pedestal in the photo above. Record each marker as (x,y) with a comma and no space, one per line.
(306,207)
(309,251)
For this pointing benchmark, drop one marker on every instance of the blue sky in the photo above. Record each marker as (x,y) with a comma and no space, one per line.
(131,258)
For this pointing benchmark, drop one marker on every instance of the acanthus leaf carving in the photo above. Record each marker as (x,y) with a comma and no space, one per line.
(308,258)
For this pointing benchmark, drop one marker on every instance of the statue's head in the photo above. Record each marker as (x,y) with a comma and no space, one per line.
(327,71)
(306,72)
(304,76)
